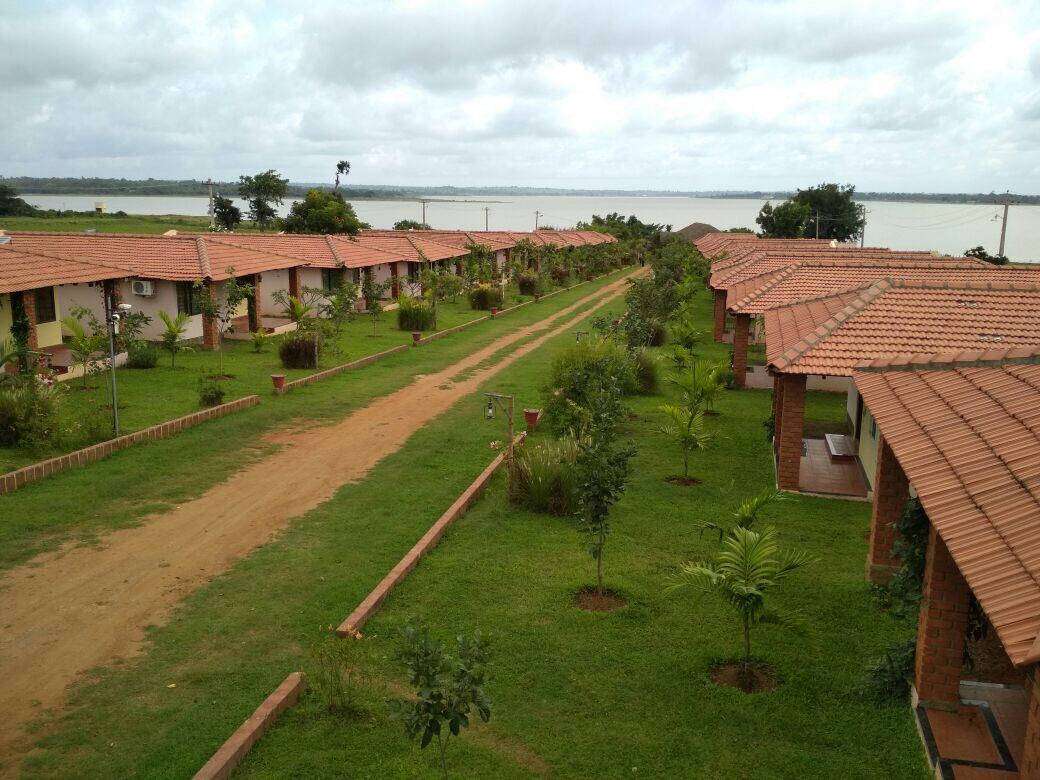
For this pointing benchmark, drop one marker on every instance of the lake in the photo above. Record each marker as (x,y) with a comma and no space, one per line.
(948,228)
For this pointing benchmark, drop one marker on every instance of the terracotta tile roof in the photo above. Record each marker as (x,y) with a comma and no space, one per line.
(968,439)
(715,243)
(406,244)
(764,261)
(833,335)
(21,269)
(740,253)
(816,278)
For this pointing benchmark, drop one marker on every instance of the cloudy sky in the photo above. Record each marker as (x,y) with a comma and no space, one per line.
(691,95)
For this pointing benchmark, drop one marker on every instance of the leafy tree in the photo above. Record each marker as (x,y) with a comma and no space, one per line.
(260,191)
(981,253)
(411,224)
(840,218)
(373,292)
(784,221)
(603,468)
(477,267)
(223,311)
(85,340)
(749,565)
(323,212)
(171,336)
(226,214)
(13,206)
(438,284)
(447,690)
(622,228)
(342,169)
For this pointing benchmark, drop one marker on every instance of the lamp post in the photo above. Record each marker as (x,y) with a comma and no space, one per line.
(505,403)
(113,313)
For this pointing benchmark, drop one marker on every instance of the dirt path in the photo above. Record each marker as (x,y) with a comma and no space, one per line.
(66,612)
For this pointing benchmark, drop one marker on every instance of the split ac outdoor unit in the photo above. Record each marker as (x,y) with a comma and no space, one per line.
(143,287)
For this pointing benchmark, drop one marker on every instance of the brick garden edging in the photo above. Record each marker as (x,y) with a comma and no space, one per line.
(374,600)
(231,753)
(34,472)
(310,379)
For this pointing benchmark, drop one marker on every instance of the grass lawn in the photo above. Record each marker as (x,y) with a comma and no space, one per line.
(110,223)
(621,694)
(150,396)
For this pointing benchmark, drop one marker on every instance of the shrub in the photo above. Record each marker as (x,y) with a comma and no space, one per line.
(658,334)
(891,675)
(528,283)
(545,477)
(28,413)
(258,338)
(141,354)
(414,314)
(299,350)
(211,392)
(577,369)
(561,275)
(647,368)
(484,296)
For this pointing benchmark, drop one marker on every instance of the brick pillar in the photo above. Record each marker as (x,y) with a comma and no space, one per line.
(210,335)
(778,404)
(941,628)
(790,425)
(741,324)
(253,305)
(891,492)
(395,281)
(29,307)
(294,282)
(1031,749)
(720,314)
(458,268)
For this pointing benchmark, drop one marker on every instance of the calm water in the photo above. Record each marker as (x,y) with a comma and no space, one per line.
(948,228)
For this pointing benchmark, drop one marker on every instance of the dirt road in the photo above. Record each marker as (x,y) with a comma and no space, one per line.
(79,608)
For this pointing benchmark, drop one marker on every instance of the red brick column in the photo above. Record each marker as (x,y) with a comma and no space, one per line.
(254,310)
(29,307)
(891,492)
(210,335)
(294,282)
(941,628)
(458,268)
(720,314)
(1031,749)
(741,324)
(790,426)
(395,281)
(778,403)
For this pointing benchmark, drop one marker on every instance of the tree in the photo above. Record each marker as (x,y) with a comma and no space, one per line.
(447,690)
(685,424)
(785,221)
(171,336)
(602,468)
(85,340)
(226,214)
(749,566)
(260,191)
(477,267)
(13,206)
(223,311)
(437,283)
(323,212)
(832,207)
(410,224)
(373,291)
(342,169)
(745,515)
(981,253)
(700,383)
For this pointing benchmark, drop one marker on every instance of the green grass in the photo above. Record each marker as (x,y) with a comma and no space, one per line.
(78,504)
(110,223)
(592,695)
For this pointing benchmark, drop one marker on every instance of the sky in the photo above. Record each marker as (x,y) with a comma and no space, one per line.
(693,95)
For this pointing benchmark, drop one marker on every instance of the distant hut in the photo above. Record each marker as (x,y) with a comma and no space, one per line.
(697,229)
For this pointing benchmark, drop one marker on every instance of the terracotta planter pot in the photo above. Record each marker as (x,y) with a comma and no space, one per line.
(494,310)
(537,297)
(278,380)
(531,417)
(416,338)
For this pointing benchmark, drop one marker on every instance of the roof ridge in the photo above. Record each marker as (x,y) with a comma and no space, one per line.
(966,284)
(832,294)
(200,245)
(945,361)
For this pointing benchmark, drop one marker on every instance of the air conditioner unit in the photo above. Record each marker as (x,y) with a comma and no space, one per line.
(143,287)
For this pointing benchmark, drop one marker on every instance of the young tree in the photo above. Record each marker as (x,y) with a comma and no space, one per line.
(602,468)
(342,169)
(86,341)
(171,336)
(323,212)
(685,424)
(223,310)
(226,214)
(373,291)
(749,565)
(478,264)
(700,383)
(745,515)
(260,191)
(447,690)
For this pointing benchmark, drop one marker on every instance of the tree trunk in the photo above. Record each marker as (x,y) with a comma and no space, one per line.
(747,644)
(444,763)
(599,562)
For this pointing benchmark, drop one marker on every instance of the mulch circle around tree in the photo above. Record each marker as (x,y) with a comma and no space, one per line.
(683,481)
(590,600)
(756,678)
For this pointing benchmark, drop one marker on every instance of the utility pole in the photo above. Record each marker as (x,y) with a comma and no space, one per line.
(863,230)
(486,210)
(817,225)
(537,214)
(424,211)
(1003,223)
(212,213)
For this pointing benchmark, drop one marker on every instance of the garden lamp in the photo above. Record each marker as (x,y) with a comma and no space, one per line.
(506,403)
(114,315)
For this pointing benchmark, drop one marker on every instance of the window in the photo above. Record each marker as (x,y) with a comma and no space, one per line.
(45,308)
(873,428)
(187,298)
(330,279)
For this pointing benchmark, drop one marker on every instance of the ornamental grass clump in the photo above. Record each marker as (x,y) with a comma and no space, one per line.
(299,349)
(483,297)
(528,282)
(414,314)
(545,477)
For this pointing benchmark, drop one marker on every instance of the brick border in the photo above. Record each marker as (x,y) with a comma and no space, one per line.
(374,600)
(35,472)
(231,753)
(310,379)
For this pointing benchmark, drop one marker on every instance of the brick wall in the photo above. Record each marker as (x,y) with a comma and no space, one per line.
(210,335)
(1031,749)
(790,423)
(941,628)
(294,282)
(34,473)
(891,492)
(741,326)
(720,314)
